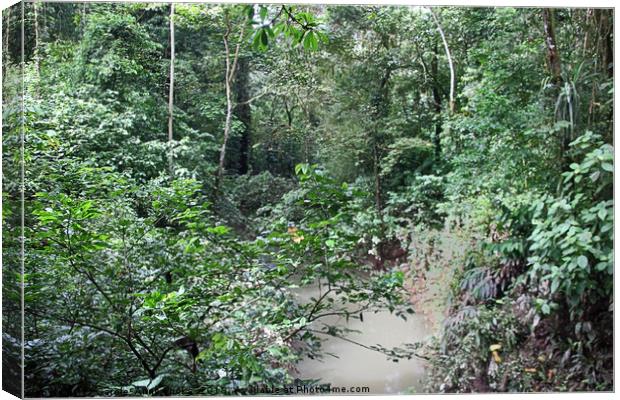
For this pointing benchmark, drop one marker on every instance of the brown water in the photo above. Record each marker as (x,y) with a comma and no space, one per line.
(358,366)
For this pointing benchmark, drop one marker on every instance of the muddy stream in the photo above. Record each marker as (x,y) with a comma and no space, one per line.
(432,260)
(357,366)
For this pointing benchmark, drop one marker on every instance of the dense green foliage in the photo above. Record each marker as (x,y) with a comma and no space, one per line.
(308,146)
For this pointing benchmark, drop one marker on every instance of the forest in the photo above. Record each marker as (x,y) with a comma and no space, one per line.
(204,199)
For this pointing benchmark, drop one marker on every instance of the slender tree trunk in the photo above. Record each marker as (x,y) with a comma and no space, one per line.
(243,112)
(36,37)
(437,103)
(607,59)
(171,91)
(450,63)
(83,19)
(588,15)
(227,126)
(376,154)
(228,80)
(555,69)
(5,45)
(229,109)
(553,54)
(607,30)
(381,110)
(44,33)
(7,30)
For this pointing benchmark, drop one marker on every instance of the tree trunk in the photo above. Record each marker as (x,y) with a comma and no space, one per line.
(380,107)
(44,34)
(377,172)
(228,80)
(36,37)
(607,60)
(243,112)
(607,31)
(5,45)
(171,91)
(83,19)
(553,54)
(227,126)
(450,63)
(555,69)
(381,110)
(437,103)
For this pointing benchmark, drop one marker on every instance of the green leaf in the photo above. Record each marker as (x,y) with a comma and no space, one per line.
(582,261)
(219,230)
(322,37)
(256,40)
(302,169)
(601,266)
(263,12)
(249,10)
(270,32)
(554,285)
(310,42)
(155,382)
(264,38)
(141,383)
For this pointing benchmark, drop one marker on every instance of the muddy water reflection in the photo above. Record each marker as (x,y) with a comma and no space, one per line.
(357,366)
